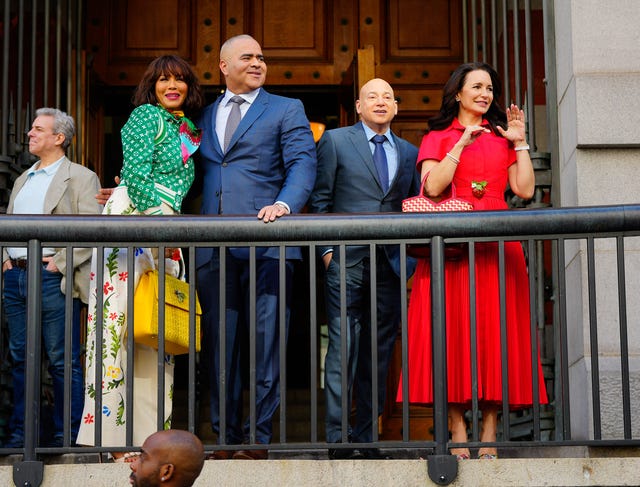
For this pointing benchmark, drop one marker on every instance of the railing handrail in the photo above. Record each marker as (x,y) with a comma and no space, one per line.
(547,222)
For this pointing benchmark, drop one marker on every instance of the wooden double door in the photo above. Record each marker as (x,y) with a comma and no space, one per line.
(311,47)
(320,51)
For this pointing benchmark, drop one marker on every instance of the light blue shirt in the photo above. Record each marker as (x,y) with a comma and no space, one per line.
(30,200)
(390,150)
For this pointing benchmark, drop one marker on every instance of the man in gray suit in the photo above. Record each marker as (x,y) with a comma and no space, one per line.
(362,169)
(53,185)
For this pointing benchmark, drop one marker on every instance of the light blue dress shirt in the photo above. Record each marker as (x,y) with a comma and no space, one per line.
(30,200)
(390,150)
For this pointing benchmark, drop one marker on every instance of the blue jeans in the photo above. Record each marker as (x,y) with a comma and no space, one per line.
(53,330)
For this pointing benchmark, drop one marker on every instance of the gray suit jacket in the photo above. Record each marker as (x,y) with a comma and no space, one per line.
(72,191)
(347,182)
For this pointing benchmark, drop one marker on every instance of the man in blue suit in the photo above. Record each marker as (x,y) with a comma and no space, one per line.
(267,168)
(355,175)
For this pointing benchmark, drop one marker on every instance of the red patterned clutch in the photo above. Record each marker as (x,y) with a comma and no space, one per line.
(423,204)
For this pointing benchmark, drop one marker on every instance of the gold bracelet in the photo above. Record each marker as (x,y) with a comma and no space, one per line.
(453,158)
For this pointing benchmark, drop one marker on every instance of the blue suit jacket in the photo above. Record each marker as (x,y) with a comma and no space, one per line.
(270,158)
(347,182)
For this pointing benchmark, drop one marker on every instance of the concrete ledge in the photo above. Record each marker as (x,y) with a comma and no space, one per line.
(355,473)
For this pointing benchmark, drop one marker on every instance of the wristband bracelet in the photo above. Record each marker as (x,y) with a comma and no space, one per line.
(522,147)
(453,158)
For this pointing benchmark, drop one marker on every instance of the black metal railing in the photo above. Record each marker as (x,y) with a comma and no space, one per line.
(567,235)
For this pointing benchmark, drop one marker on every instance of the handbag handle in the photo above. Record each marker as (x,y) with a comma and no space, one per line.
(451,185)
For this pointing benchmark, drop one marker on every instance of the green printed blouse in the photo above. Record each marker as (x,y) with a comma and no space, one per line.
(157,167)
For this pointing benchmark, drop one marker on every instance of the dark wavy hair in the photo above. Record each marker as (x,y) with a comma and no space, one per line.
(170,65)
(496,115)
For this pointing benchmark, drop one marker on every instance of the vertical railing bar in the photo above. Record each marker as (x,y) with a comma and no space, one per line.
(78,84)
(404,345)
(530,112)
(624,338)
(593,339)
(20,74)
(129,375)
(540,284)
(504,344)
(68,348)
(99,323)
(465,31)
(34,31)
(562,417)
(533,264)
(344,331)
(373,344)
(191,386)
(505,52)
(69,58)
(2,340)
(483,27)
(474,36)
(473,340)
(282,355)
(439,346)
(58,67)
(222,365)
(516,53)
(33,350)
(313,345)
(5,78)
(162,315)
(46,53)
(494,35)
(252,344)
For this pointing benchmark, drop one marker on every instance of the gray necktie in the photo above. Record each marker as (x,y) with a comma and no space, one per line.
(233,120)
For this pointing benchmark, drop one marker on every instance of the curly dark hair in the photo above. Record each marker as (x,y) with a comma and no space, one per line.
(170,65)
(496,115)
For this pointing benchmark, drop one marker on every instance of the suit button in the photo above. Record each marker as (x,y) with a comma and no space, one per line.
(224,164)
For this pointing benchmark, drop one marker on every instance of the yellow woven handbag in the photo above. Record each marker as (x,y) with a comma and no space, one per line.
(176,314)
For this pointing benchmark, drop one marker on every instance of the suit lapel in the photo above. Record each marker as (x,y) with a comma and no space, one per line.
(57,187)
(210,120)
(399,159)
(361,144)
(256,109)
(17,186)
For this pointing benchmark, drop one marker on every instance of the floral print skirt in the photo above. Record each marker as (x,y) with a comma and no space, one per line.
(112,360)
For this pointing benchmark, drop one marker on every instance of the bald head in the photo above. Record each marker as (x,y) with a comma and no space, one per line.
(228,45)
(242,64)
(172,458)
(375,85)
(376,105)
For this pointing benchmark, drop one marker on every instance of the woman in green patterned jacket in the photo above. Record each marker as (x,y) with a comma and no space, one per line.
(158,141)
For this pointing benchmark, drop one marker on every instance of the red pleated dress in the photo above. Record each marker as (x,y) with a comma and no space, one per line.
(487,159)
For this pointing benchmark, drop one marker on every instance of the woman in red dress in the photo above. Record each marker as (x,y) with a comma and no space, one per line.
(474,144)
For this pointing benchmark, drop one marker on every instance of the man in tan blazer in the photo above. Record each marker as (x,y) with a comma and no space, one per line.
(53,185)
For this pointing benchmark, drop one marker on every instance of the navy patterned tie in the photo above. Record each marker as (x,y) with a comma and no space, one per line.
(380,160)
(234,119)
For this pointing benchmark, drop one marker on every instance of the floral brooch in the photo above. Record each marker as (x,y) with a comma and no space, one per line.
(478,188)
